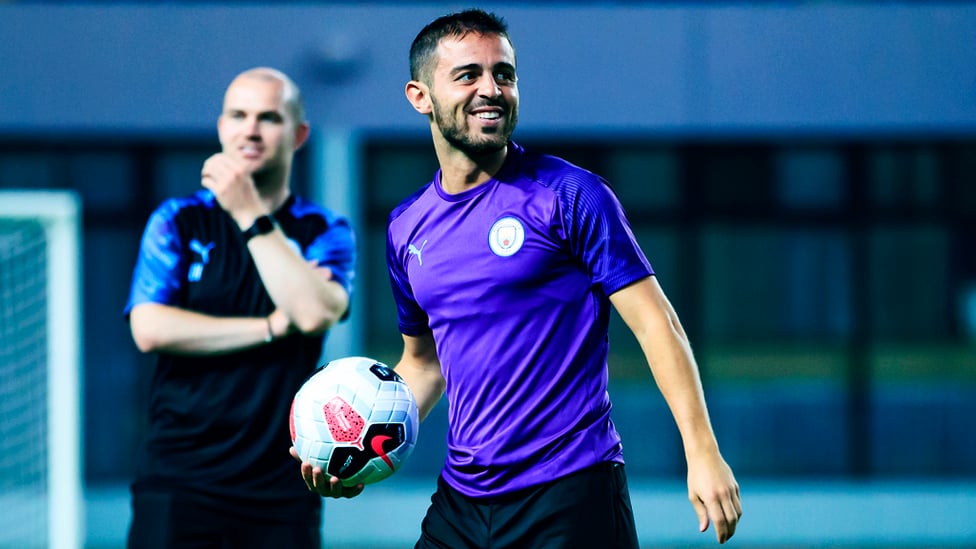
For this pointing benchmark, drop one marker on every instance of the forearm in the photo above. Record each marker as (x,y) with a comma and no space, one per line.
(163,328)
(652,319)
(674,369)
(311,301)
(427,387)
(421,370)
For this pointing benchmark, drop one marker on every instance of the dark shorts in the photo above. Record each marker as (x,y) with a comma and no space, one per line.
(585,510)
(164,520)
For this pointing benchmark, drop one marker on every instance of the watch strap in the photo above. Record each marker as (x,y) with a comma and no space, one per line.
(262,225)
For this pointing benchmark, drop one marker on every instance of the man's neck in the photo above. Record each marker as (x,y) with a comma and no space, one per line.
(461,172)
(273,189)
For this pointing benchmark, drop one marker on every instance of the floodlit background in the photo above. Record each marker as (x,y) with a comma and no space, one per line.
(802,176)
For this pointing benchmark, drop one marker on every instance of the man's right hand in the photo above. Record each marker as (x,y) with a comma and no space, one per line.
(322,484)
(233,187)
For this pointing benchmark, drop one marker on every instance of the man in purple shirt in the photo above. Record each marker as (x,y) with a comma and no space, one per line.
(504,269)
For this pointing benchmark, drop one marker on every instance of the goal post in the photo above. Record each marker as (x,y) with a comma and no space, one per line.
(41,485)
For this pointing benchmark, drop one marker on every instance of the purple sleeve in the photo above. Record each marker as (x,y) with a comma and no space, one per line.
(599,233)
(412,319)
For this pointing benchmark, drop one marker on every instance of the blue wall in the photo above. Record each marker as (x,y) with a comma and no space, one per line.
(807,68)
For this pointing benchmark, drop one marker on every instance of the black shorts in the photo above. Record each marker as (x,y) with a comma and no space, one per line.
(168,520)
(584,510)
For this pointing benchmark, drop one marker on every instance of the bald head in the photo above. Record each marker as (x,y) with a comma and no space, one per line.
(291,96)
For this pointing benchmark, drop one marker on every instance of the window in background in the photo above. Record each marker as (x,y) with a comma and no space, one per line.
(102,177)
(909,282)
(904,177)
(116,373)
(959,171)
(392,172)
(727,179)
(31,169)
(810,178)
(647,179)
(176,172)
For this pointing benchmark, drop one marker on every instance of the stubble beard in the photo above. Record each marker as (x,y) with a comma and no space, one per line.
(268,174)
(267,171)
(460,136)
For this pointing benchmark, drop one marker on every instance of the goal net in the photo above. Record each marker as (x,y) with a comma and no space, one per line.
(41,501)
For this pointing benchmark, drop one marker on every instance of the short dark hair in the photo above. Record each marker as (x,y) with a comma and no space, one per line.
(455,25)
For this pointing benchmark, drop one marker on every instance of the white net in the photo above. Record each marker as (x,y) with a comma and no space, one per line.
(23,384)
(39,388)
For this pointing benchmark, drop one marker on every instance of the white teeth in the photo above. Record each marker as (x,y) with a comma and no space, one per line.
(488,115)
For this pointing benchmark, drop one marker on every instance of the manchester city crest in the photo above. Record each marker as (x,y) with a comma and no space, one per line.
(506,236)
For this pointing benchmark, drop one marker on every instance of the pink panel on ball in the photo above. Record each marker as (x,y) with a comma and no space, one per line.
(345,424)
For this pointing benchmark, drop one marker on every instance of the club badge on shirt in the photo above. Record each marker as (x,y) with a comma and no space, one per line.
(506,236)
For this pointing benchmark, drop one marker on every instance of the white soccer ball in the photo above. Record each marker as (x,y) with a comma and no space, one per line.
(356,419)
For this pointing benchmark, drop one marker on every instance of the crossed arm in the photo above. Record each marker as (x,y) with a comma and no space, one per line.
(307,301)
(305,297)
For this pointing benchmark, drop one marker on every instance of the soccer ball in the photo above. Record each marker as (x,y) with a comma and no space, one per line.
(356,419)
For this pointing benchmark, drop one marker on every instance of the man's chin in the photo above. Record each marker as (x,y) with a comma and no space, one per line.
(482,147)
(254,163)
(487,149)
(261,168)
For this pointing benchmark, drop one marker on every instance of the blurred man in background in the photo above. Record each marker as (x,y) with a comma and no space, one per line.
(234,289)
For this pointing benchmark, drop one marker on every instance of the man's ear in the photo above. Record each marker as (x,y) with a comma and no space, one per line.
(418,94)
(301,134)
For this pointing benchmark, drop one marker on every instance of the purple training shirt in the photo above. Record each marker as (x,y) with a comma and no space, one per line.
(512,278)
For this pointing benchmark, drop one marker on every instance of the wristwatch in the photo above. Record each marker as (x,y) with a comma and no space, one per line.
(262,225)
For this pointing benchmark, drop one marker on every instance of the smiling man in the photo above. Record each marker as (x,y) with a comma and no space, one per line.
(524,254)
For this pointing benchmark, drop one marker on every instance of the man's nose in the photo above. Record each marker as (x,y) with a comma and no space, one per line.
(251,127)
(488,87)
